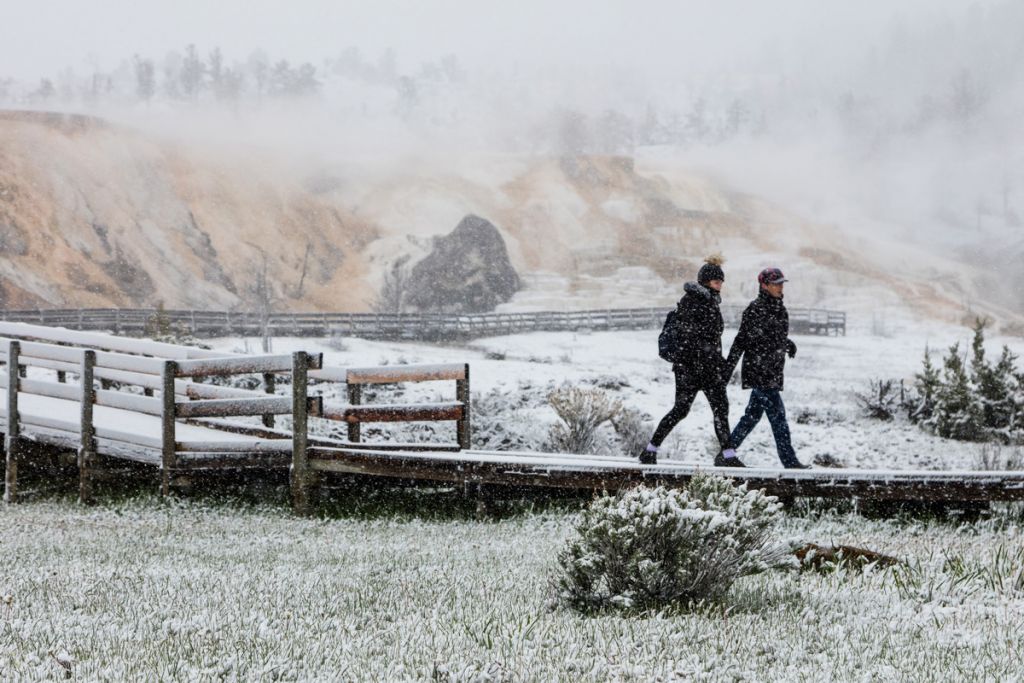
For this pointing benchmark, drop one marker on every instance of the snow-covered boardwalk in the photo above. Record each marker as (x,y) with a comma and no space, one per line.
(159,414)
(603,473)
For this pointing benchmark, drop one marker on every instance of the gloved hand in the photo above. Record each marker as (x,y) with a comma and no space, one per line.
(790,348)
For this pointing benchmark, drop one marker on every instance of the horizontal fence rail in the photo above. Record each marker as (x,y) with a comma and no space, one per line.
(425,326)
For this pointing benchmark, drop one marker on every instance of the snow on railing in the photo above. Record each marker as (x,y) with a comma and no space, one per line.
(392,325)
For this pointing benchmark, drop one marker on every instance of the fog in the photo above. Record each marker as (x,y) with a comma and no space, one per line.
(886,119)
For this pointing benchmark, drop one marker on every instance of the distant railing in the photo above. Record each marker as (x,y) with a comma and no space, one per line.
(419,326)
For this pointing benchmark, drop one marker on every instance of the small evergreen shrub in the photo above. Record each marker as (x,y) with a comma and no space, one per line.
(971,399)
(649,548)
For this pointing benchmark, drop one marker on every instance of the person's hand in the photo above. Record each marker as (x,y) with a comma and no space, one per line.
(790,348)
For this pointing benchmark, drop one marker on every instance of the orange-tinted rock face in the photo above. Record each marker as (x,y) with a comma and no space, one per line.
(95,214)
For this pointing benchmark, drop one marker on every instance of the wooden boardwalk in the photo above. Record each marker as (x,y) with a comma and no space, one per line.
(603,473)
(129,399)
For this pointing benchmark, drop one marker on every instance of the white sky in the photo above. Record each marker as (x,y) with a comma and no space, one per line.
(39,37)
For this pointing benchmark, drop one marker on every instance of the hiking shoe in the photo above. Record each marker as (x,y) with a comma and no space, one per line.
(722,461)
(648,457)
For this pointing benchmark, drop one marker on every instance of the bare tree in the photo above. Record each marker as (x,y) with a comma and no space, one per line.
(391,298)
(966,99)
(261,299)
(145,78)
(192,71)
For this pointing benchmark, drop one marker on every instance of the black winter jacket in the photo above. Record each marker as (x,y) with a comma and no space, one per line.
(763,341)
(700,324)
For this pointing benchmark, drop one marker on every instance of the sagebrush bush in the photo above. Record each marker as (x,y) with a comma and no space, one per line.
(649,548)
(632,429)
(582,411)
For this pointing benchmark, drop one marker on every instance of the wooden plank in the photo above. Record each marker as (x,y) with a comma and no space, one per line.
(240,365)
(41,387)
(411,412)
(253,446)
(232,407)
(583,473)
(209,460)
(124,361)
(132,402)
(390,374)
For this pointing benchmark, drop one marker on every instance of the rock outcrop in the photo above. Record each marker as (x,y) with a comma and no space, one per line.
(468,271)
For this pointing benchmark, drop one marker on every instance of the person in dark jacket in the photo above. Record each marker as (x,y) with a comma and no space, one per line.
(763,342)
(700,363)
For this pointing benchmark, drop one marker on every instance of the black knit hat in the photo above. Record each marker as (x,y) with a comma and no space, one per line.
(711,270)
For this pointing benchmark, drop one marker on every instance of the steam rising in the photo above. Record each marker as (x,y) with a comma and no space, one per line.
(888,124)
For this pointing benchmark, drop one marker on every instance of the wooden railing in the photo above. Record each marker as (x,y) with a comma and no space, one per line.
(170,393)
(421,326)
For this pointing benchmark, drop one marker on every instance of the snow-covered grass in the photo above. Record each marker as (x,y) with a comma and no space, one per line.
(190,591)
(208,590)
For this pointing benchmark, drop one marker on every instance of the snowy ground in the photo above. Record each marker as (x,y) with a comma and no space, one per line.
(209,590)
(185,591)
(513,375)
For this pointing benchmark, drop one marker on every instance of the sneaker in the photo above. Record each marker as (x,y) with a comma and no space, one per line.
(797,466)
(722,461)
(648,457)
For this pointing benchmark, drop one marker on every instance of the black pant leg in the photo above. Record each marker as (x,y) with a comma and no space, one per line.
(685,393)
(718,399)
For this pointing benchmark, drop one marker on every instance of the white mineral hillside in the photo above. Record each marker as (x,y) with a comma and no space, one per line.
(97,214)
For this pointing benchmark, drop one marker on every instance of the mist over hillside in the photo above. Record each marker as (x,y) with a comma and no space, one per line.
(878,147)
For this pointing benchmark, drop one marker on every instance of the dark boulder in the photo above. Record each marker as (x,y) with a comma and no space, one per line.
(468,271)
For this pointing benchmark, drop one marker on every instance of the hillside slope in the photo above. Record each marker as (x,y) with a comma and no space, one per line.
(94,214)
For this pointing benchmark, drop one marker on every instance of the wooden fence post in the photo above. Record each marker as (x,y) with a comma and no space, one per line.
(11,440)
(355,397)
(168,455)
(301,477)
(87,448)
(268,387)
(463,425)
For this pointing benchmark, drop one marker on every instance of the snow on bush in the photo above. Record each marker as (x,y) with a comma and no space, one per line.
(653,547)
(582,412)
(633,430)
(504,420)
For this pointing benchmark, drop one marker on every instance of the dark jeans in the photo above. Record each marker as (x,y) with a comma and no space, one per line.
(767,401)
(686,390)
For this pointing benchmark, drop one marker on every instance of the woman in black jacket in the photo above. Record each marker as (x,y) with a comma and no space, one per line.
(699,363)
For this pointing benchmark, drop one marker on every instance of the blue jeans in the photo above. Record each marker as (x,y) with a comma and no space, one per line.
(766,401)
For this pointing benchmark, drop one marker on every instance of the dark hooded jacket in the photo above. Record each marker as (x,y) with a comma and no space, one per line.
(700,325)
(763,341)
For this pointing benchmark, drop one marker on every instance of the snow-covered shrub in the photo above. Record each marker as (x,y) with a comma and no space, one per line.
(973,400)
(880,400)
(502,421)
(582,411)
(633,430)
(996,457)
(652,547)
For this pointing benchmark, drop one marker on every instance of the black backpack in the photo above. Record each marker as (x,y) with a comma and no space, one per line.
(670,340)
